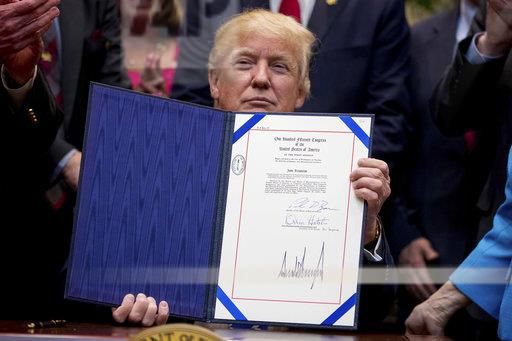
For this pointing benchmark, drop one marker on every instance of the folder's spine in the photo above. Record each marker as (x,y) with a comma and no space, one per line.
(222,190)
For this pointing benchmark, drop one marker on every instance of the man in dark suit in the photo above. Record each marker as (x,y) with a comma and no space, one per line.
(360,63)
(88,49)
(441,234)
(28,123)
(86,46)
(265,71)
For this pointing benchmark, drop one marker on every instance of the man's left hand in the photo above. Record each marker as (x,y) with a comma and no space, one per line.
(371,182)
(431,316)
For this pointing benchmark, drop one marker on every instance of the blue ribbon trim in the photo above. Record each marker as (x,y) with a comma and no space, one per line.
(338,313)
(247,126)
(356,129)
(230,306)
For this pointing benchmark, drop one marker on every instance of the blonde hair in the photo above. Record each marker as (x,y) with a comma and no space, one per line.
(272,25)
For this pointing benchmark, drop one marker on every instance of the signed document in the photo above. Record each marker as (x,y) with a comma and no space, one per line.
(246,217)
(291,244)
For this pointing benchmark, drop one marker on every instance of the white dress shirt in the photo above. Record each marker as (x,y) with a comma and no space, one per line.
(467,12)
(18,95)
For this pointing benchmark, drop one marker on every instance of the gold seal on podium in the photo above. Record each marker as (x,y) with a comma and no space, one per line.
(176,332)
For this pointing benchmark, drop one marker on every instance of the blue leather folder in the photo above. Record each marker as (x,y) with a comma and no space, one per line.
(150,205)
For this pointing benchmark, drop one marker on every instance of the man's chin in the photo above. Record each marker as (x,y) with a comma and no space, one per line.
(257,107)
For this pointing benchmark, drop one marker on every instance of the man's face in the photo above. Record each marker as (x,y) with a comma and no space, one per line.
(260,74)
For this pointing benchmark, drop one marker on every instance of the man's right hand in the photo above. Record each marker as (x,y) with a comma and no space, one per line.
(141,310)
(71,171)
(497,39)
(23,22)
(416,255)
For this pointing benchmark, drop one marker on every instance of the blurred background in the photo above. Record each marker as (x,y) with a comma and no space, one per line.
(150,29)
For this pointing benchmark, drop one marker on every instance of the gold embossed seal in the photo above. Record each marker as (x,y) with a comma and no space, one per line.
(176,332)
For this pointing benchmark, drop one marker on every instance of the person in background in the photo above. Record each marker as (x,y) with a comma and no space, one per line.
(477,82)
(439,235)
(84,45)
(260,62)
(29,120)
(360,65)
(152,80)
(153,27)
(26,127)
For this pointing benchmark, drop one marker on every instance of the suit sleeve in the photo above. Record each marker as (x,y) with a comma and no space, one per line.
(376,299)
(387,96)
(29,130)
(466,91)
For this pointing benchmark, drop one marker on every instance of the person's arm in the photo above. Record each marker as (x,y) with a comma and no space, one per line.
(467,89)
(33,122)
(16,90)
(30,115)
(387,97)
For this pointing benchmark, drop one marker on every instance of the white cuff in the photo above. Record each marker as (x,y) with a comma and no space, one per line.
(474,56)
(18,95)
(373,255)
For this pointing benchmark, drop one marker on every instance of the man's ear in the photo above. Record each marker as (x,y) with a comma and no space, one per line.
(299,102)
(213,80)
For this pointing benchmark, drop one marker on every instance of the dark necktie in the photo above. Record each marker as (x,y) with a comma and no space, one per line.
(470,141)
(290,8)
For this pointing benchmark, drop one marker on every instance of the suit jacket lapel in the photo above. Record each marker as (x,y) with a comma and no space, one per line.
(72,24)
(324,15)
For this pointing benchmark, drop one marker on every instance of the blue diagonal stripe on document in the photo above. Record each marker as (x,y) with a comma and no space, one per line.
(342,310)
(356,129)
(247,126)
(229,305)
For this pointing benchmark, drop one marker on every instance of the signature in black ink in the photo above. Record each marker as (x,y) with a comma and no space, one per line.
(295,220)
(300,271)
(308,205)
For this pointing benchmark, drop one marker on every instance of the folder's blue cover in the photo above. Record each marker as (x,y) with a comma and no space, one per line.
(147,200)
